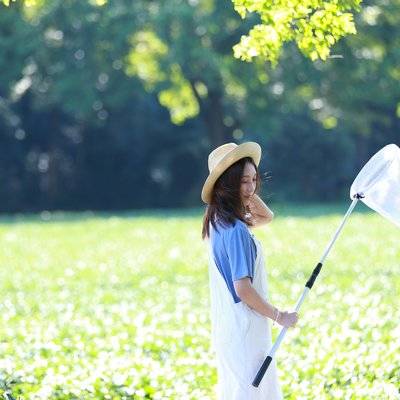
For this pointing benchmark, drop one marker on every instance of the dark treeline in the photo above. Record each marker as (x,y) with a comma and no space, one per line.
(117,106)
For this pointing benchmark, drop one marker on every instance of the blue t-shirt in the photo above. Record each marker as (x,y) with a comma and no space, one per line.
(234,253)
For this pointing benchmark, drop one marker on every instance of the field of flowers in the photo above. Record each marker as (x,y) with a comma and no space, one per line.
(116,306)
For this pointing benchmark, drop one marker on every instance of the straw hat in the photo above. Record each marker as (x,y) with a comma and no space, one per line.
(222,158)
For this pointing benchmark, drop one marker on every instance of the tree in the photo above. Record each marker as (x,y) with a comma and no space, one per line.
(182,53)
(314,25)
(185,55)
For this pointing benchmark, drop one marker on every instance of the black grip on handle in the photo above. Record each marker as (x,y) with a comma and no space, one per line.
(314,275)
(262,371)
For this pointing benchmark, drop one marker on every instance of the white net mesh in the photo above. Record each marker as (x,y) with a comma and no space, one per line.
(379,182)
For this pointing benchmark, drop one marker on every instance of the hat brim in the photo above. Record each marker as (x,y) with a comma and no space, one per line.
(248,149)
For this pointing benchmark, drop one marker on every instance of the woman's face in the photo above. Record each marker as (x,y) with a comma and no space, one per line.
(248,183)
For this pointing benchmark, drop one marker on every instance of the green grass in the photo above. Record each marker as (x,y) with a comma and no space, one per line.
(116,306)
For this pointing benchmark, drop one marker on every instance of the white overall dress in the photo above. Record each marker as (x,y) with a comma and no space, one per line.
(241,338)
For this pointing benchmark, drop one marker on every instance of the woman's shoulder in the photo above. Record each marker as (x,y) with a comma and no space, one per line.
(227,228)
(224,227)
(238,226)
(242,229)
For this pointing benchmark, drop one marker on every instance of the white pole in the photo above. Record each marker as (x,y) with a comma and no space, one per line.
(301,299)
(328,249)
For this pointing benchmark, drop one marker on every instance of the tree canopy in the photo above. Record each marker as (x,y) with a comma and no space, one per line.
(88,92)
(314,25)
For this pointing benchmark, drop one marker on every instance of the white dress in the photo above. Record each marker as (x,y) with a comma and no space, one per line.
(241,338)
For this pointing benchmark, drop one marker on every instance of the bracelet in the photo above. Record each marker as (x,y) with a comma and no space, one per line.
(277,316)
(274,316)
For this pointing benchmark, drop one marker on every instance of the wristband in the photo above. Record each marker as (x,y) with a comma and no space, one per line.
(275,316)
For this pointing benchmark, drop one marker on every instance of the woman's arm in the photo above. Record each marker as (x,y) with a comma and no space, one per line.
(247,293)
(260,211)
(245,290)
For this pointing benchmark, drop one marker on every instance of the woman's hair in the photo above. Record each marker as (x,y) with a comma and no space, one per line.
(226,203)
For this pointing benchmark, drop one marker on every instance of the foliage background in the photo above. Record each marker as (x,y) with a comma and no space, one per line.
(116,105)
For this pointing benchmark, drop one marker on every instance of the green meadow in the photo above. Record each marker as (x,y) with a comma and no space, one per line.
(116,306)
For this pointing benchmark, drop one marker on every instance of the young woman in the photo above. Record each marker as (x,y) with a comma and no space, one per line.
(240,312)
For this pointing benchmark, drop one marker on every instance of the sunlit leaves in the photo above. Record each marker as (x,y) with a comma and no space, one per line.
(263,40)
(145,60)
(179,98)
(314,25)
(145,56)
(99,2)
(30,7)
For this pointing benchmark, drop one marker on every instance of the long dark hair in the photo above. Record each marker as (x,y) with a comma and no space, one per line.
(226,203)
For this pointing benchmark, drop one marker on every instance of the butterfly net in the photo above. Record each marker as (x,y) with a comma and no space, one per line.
(379,183)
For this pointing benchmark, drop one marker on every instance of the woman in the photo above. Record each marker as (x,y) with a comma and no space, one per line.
(240,312)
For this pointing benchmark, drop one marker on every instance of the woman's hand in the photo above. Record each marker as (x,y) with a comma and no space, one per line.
(259,210)
(288,319)
(250,204)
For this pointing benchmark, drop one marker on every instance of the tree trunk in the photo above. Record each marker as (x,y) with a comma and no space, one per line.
(213,116)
